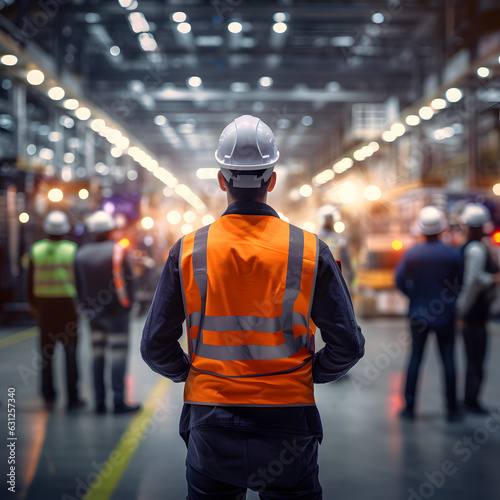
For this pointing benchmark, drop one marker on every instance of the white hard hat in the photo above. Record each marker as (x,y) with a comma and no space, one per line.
(431,220)
(475,215)
(247,144)
(100,222)
(56,223)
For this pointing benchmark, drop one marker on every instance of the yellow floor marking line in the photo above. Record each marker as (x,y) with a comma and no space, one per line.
(19,337)
(110,474)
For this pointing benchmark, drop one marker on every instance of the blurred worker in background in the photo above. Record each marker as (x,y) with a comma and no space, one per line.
(339,246)
(478,291)
(104,279)
(430,275)
(51,292)
(250,286)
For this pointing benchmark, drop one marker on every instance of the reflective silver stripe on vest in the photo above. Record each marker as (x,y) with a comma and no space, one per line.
(244,323)
(200,273)
(285,322)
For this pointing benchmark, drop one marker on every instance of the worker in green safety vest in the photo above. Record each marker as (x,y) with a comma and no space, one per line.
(51,291)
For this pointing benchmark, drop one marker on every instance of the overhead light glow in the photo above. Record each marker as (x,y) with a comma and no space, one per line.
(348,192)
(125,3)
(24,217)
(8,60)
(98,125)
(174,217)
(160,120)
(426,112)
(35,77)
(324,177)
(378,18)
(438,103)
(305,191)
(339,227)
(374,146)
(453,94)
(235,27)
(55,195)
(56,93)
(307,121)
(71,104)
(483,72)
(398,129)
(412,120)
(83,113)
(309,226)
(132,175)
(343,165)
(279,27)
(147,223)
(83,194)
(116,152)
(46,154)
(496,189)
(179,17)
(372,193)
(280,17)
(69,157)
(389,136)
(194,81)
(207,173)
(207,219)
(184,28)
(359,155)
(55,136)
(397,245)
(115,50)
(189,216)
(147,42)
(186,229)
(266,81)
(138,22)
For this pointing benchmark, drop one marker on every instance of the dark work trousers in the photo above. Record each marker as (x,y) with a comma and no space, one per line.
(111,335)
(446,341)
(222,462)
(58,321)
(474,334)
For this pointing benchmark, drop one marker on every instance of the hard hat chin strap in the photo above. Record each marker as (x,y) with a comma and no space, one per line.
(247,180)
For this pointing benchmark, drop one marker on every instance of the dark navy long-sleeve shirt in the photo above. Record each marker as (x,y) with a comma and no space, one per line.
(332,313)
(430,274)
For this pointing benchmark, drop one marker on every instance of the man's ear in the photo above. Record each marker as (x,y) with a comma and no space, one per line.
(222,181)
(272,183)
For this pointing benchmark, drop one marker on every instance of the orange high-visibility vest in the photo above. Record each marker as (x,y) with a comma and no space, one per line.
(248,283)
(118,279)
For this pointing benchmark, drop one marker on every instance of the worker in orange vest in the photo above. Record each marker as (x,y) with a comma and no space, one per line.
(252,290)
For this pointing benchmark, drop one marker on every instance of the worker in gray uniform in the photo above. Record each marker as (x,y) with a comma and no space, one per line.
(104,280)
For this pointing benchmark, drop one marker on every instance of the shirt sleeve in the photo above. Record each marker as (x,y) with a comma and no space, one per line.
(160,346)
(475,278)
(333,313)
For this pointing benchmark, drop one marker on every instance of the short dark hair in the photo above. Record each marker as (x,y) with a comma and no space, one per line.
(247,194)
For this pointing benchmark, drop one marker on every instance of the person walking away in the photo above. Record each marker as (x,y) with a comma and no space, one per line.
(104,279)
(252,289)
(478,291)
(430,275)
(51,293)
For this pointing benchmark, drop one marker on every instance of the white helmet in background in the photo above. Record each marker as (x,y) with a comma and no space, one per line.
(100,222)
(247,144)
(56,223)
(432,220)
(475,215)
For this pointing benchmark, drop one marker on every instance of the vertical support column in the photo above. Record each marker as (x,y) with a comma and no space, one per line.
(19,111)
(473,146)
